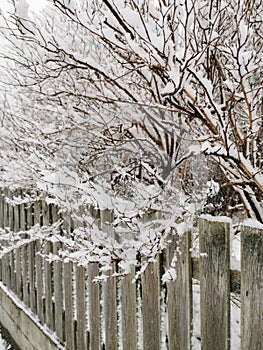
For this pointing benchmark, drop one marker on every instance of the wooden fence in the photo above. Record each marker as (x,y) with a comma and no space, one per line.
(121,314)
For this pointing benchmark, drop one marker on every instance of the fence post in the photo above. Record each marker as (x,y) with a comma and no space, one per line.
(179,293)
(214,246)
(251,288)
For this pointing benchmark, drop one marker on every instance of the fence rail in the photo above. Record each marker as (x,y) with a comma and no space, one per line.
(122,314)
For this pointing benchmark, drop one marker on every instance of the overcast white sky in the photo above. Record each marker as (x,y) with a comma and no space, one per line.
(35,5)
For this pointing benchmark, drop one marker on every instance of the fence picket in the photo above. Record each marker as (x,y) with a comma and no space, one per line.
(39,282)
(94,308)
(5,210)
(110,291)
(18,273)
(151,306)
(251,288)
(24,267)
(48,288)
(179,293)
(58,293)
(129,310)
(81,307)
(32,276)
(69,317)
(214,249)
(1,208)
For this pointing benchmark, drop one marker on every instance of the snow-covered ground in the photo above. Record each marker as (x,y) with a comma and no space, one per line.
(4,344)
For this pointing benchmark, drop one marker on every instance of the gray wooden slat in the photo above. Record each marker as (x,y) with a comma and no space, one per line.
(94,308)
(1,208)
(39,282)
(45,213)
(179,293)
(22,217)
(29,216)
(49,319)
(31,275)
(69,317)
(214,284)
(110,291)
(251,288)
(110,311)
(12,271)
(24,267)
(58,293)
(129,312)
(151,306)
(10,212)
(37,213)
(81,307)
(17,215)
(6,209)
(18,273)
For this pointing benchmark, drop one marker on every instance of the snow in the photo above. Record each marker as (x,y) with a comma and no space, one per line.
(216,218)
(253,223)
(3,343)
(22,8)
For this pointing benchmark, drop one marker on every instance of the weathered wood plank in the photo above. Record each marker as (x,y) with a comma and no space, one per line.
(12,271)
(81,308)
(235,276)
(45,213)
(58,293)
(48,288)
(10,212)
(94,308)
(17,215)
(39,282)
(5,209)
(110,291)
(32,276)
(151,306)
(24,266)
(37,213)
(22,217)
(251,288)
(29,216)
(179,293)
(18,273)
(214,284)
(69,317)
(129,310)
(1,208)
